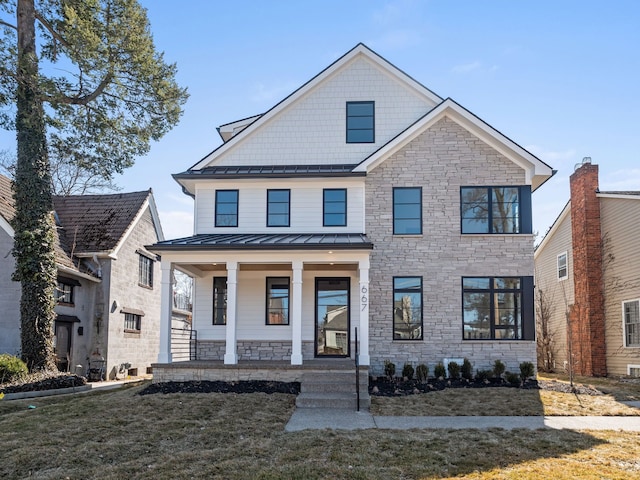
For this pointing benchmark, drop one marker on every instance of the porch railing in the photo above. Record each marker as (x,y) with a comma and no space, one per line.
(184,344)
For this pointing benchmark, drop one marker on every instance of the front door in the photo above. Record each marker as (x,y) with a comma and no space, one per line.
(63,345)
(332,317)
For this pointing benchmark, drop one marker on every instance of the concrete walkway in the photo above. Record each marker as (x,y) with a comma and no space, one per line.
(336,419)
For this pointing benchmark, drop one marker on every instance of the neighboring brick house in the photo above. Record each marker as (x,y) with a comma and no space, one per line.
(108,297)
(362,201)
(588,267)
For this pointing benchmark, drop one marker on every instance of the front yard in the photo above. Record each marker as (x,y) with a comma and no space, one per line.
(120,434)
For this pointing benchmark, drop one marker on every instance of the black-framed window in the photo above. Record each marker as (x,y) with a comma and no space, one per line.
(407,211)
(219,300)
(145,271)
(495,209)
(563,268)
(64,292)
(226,208)
(497,308)
(631,313)
(278,208)
(277,301)
(334,211)
(360,122)
(132,322)
(407,308)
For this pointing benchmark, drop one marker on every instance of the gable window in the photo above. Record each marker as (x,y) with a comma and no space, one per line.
(145,271)
(226,208)
(277,301)
(563,270)
(495,209)
(497,308)
(220,300)
(360,122)
(407,308)
(631,314)
(132,319)
(334,212)
(278,208)
(407,211)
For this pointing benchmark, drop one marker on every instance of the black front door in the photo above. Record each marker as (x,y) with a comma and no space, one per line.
(332,317)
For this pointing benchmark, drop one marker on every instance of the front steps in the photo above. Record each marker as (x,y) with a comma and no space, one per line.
(334,389)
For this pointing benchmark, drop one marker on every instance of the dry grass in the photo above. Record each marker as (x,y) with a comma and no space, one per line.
(119,434)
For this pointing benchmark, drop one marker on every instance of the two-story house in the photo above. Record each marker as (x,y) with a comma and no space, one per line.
(362,201)
(108,297)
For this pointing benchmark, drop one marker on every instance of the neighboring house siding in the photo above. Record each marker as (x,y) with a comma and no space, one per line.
(305,206)
(441,160)
(313,130)
(9,298)
(560,293)
(620,219)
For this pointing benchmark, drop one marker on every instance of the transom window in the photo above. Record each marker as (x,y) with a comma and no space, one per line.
(563,271)
(145,271)
(495,209)
(220,300)
(278,208)
(226,208)
(335,207)
(407,308)
(277,301)
(407,211)
(360,122)
(64,293)
(631,314)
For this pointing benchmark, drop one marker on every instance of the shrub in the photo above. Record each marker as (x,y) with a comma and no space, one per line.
(454,370)
(407,371)
(466,370)
(439,371)
(422,373)
(527,370)
(512,378)
(11,368)
(498,368)
(483,375)
(389,369)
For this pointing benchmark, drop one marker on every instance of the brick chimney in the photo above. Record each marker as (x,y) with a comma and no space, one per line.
(586,329)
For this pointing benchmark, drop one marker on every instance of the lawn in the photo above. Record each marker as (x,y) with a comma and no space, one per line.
(120,434)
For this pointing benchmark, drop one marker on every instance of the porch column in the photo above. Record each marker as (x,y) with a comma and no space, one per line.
(296,314)
(166,307)
(363,331)
(230,355)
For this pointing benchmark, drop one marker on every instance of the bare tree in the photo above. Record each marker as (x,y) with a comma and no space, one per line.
(545,338)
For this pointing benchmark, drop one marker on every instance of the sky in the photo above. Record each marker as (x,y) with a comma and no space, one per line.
(560,78)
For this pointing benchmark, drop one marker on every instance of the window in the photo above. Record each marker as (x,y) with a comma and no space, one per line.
(497,308)
(278,208)
(132,322)
(631,314)
(277,301)
(407,308)
(360,122)
(563,271)
(220,300)
(334,211)
(495,209)
(226,208)
(407,211)
(145,271)
(64,293)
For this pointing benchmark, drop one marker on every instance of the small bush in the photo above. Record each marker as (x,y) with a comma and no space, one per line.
(454,370)
(498,368)
(11,368)
(512,378)
(407,371)
(439,371)
(422,373)
(527,370)
(466,370)
(389,369)
(483,375)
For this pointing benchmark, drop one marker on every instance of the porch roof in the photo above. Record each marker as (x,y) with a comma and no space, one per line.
(262,241)
(267,171)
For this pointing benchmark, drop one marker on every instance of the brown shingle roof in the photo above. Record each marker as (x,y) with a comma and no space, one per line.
(7,205)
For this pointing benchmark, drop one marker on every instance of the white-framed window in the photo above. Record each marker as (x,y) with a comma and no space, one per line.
(563,266)
(633,370)
(145,271)
(631,322)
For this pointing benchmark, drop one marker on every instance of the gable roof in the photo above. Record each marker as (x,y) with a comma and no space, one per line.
(360,50)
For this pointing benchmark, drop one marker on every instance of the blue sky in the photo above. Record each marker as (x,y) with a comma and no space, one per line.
(560,78)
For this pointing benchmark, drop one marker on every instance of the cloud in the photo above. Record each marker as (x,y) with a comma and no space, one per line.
(550,156)
(397,40)
(475,66)
(176,223)
(272,93)
(623,179)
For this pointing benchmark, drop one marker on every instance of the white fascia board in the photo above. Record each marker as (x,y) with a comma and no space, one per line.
(101,254)
(227,130)
(328,255)
(563,214)
(618,195)
(6,227)
(134,223)
(75,273)
(156,218)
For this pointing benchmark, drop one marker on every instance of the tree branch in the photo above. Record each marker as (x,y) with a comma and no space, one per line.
(8,25)
(85,99)
(51,30)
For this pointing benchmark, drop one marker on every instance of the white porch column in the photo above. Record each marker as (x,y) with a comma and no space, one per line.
(166,307)
(230,355)
(363,331)
(296,314)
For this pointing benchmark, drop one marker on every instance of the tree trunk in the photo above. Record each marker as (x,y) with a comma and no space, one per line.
(34,234)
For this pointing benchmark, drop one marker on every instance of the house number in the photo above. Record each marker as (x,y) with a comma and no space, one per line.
(364,299)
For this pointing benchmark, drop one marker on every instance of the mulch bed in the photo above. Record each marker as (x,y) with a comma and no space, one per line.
(252,386)
(45,381)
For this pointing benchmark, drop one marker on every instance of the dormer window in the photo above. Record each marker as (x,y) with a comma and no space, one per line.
(360,122)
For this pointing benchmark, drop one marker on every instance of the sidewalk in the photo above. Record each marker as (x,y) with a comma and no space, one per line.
(328,418)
